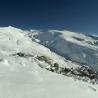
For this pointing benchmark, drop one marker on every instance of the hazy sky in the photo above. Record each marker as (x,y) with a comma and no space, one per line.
(73,15)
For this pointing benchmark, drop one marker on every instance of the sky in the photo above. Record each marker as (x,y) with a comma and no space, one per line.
(73,15)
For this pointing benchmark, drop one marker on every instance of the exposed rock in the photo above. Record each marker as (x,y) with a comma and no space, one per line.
(19,54)
(45,59)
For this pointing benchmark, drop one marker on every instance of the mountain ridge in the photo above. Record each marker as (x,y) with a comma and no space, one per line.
(78,47)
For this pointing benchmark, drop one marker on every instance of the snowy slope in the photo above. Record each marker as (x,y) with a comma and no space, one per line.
(73,46)
(22,77)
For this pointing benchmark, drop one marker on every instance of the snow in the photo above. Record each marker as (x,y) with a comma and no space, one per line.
(70,36)
(22,77)
(72,46)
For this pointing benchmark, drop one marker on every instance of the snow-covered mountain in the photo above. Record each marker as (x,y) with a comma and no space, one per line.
(30,70)
(77,47)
